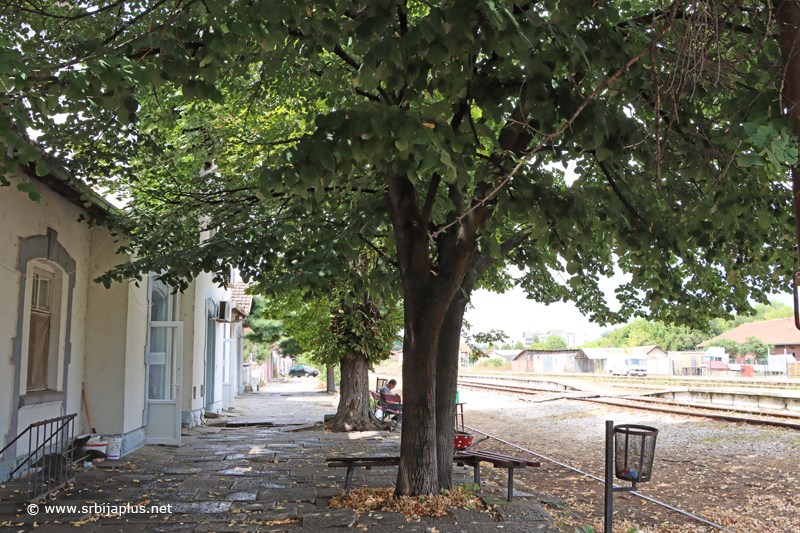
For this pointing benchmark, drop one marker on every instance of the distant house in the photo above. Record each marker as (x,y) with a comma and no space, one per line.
(397,355)
(506,355)
(545,361)
(596,360)
(780,332)
(700,363)
(463,355)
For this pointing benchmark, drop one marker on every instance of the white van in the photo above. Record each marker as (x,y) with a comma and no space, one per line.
(628,367)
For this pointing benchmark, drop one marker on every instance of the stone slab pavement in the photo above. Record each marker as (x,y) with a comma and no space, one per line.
(253,478)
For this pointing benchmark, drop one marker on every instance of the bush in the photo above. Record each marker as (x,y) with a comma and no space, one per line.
(490,363)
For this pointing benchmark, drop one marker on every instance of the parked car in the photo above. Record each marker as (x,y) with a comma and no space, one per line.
(628,367)
(303,370)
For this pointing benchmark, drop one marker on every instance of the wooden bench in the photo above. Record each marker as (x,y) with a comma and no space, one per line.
(473,459)
(389,404)
(360,462)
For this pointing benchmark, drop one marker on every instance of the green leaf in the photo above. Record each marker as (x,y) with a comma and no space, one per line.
(603,153)
(430,159)
(41,169)
(326,158)
(750,160)
(437,54)
(573,267)
(383,49)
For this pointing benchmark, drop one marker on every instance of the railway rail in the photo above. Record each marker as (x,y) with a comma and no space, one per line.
(659,382)
(596,478)
(785,420)
(694,410)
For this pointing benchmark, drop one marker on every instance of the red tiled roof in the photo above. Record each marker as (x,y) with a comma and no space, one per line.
(776,332)
(244,302)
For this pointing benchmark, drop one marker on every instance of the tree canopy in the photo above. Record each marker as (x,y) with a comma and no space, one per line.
(438,134)
(438,88)
(330,330)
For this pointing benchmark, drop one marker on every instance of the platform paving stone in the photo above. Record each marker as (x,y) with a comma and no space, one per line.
(523,511)
(236,496)
(199,507)
(61,528)
(241,479)
(123,528)
(498,527)
(376,518)
(159,496)
(470,516)
(252,506)
(170,528)
(281,512)
(288,495)
(329,518)
(226,528)
(256,484)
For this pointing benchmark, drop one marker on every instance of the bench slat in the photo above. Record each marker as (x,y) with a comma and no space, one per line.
(498,458)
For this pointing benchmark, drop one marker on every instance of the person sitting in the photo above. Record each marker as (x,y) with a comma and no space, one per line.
(388,387)
(391,406)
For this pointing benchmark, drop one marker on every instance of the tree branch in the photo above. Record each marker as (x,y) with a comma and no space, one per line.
(430,199)
(344,56)
(619,193)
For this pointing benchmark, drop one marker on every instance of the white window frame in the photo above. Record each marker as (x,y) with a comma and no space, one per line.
(58,310)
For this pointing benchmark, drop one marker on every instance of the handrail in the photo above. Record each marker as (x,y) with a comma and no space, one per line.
(34,425)
(49,458)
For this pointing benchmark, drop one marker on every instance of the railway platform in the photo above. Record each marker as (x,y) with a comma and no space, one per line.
(253,477)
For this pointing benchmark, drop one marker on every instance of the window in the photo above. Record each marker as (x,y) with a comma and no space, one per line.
(161,367)
(44,330)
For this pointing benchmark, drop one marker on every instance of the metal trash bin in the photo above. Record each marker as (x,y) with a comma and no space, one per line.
(634,450)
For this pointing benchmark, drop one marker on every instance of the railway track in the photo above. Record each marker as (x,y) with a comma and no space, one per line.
(788,420)
(661,382)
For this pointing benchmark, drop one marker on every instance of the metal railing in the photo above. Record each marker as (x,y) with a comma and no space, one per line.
(49,458)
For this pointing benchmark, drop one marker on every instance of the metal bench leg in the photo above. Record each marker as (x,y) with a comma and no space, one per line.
(347,479)
(510,483)
(476,477)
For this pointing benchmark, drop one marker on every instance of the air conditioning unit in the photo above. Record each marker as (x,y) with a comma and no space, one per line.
(225,307)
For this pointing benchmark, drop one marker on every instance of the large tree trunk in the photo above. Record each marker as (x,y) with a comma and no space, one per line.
(417,472)
(446,382)
(353,413)
(331,381)
(427,293)
(789,36)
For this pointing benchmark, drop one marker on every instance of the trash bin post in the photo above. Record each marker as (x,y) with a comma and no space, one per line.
(624,455)
(609,476)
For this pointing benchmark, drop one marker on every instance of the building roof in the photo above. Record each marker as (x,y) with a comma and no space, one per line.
(776,332)
(525,353)
(62,182)
(650,348)
(243,301)
(506,353)
(643,352)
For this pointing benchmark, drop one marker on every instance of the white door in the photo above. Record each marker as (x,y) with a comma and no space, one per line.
(164,358)
(228,380)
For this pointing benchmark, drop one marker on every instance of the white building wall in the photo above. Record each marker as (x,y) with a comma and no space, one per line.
(116,337)
(20,217)
(201,296)
(107,327)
